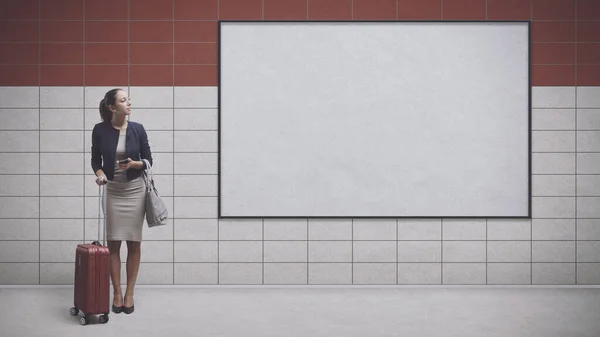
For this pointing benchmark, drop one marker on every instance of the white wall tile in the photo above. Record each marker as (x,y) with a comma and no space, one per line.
(464,273)
(19,97)
(240,273)
(286,229)
(151,274)
(90,186)
(151,97)
(463,229)
(419,251)
(588,273)
(62,141)
(553,273)
(509,251)
(195,229)
(329,273)
(196,119)
(285,251)
(19,251)
(588,229)
(196,97)
(19,185)
(196,163)
(191,207)
(286,273)
(374,273)
(19,229)
(553,163)
(553,185)
(63,163)
(553,141)
(463,251)
(553,229)
(588,141)
(588,251)
(508,229)
(61,119)
(196,251)
(93,95)
(196,273)
(58,251)
(61,229)
(61,207)
(57,273)
(162,163)
(588,97)
(61,97)
(553,119)
(588,119)
(19,273)
(329,229)
(19,207)
(553,97)
(588,185)
(553,251)
(330,251)
(19,141)
(91,118)
(164,184)
(196,185)
(374,251)
(374,229)
(160,141)
(19,119)
(419,229)
(240,251)
(160,233)
(588,163)
(509,273)
(240,229)
(19,163)
(587,207)
(419,273)
(553,207)
(156,251)
(153,119)
(196,141)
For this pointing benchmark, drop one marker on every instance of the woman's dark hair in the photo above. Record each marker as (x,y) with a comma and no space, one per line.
(110,98)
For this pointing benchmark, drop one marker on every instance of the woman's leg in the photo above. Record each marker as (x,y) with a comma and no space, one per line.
(115,271)
(134,253)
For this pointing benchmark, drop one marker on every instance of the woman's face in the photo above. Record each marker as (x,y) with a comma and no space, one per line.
(122,104)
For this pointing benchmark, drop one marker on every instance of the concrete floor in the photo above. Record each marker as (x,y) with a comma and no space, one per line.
(313,312)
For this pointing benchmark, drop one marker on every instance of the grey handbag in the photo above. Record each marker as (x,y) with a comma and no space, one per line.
(156,209)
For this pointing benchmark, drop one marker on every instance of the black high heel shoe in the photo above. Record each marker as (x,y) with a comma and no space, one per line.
(128,310)
(117,310)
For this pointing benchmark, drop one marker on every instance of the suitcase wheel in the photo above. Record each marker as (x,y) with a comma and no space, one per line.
(84,320)
(74,311)
(103,318)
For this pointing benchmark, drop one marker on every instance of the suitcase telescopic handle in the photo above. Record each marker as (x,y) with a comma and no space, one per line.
(101,229)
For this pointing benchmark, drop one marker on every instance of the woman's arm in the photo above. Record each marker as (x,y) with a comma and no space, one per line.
(145,151)
(96,152)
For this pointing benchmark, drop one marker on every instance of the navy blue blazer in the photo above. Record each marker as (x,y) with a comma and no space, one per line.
(104,148)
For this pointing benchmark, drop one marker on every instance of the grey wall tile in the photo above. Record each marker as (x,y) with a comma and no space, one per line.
(61,97)
(553,273)
(196,251)
(553,229)
(553,185)
(195,163)
(62,207)
(374,251)
(58,251)
(159,141)
(196,273)
(419,251)
(509,229)
(588,229)
(62,185)
(419,273)
(553,97)
(196,141)
(588,273)
(553,207)
(19,97)
(62,141)
(61,119)
(240,229)
(553,141)
(196,97)
(286,229)
(62,229)
(588,251)
(588,163)
(196,185)
(588,185)
(19,229)
(553,119)
(374,273)
(19,207)
(374,229)
(329,273)
(588,97)
(509,273)
(94,94)
(588,141)
(151,97)
(20,273)
(152,274)
(588,119)
(240,273)
(19,141)
(553,163)
(464,273)
(240,251)
(191,207)
(19,119)
(19,251)
(509,251)
(285,251)
(330,251)
(63,163)
(286,273)
(553,251)
(587,207)
(463,229)
(463,251)
(57,273)
(330,229)
(196,119)
(154,119)
(19,185)
(419,229)
(195,229)
(19,163)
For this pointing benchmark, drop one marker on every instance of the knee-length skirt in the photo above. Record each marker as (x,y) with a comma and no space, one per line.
(125,210)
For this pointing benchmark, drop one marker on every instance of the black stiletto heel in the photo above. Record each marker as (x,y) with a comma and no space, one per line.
(117,310)
(128,310)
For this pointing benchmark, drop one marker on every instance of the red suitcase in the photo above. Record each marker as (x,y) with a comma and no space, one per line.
(92,277)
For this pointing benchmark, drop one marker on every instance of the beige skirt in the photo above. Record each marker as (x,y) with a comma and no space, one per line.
(125,210)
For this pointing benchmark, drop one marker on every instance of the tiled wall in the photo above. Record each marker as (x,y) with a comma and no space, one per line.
(58,57)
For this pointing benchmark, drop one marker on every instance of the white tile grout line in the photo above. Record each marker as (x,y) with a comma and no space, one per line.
(576,150)
(531,197)
(84,139)
(39,141)
(173,160)
(219,127)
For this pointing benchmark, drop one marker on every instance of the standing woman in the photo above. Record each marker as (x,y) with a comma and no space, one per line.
(118,147)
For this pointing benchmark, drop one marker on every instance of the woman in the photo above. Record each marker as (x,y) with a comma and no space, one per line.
(118,147)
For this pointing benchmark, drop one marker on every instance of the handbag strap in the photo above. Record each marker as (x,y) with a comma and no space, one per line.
(148,169)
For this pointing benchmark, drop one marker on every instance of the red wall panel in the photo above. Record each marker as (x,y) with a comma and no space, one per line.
(174,42)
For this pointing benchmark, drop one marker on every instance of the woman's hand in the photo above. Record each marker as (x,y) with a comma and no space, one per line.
(101,180)
(130,164)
